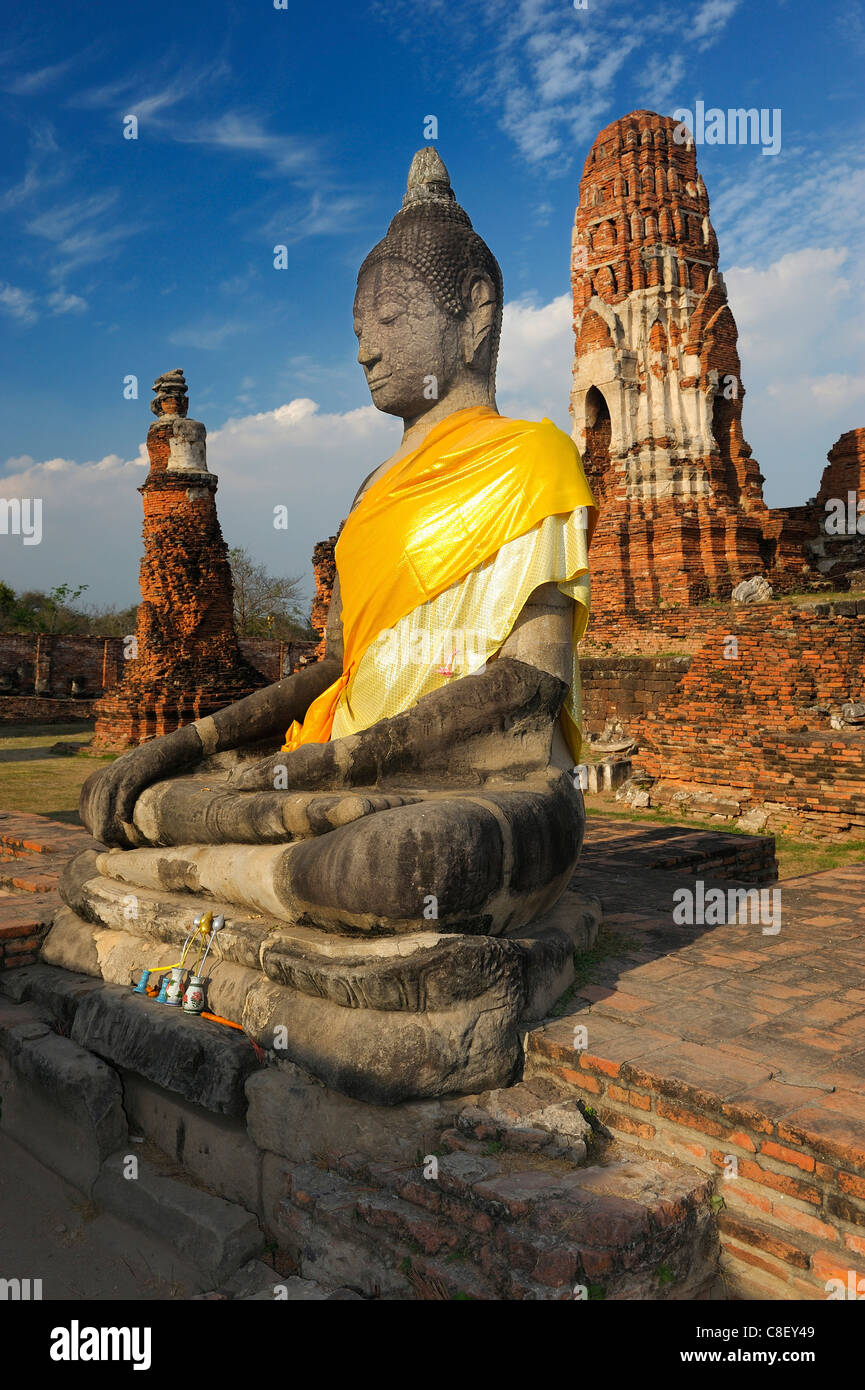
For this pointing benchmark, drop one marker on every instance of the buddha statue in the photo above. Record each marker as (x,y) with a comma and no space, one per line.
(390,833)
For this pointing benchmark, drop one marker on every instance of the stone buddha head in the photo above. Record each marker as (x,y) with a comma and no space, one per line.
(428,307)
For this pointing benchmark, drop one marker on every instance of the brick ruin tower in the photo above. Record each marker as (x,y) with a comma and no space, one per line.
(657,391)
(186,662)
(838,553)
(324,571)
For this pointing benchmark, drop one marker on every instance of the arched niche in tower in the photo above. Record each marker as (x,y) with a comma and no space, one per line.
(604,236)
(596,459)
(593,334)
(605,282)
(724,416)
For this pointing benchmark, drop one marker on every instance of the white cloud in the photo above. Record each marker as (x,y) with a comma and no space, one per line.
(803,362)
(62,303)
(26,83)
(20,304)
(244,134)
(662,77)
(534,373)
(80,231)
(711,20)
(206,337)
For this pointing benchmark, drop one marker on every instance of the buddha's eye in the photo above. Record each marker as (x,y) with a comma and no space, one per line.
(389,312)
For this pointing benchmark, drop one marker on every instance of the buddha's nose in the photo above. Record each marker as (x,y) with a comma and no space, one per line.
(367,355)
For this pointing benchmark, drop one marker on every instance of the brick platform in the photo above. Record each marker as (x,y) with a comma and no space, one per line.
(735,1052)
(33,851)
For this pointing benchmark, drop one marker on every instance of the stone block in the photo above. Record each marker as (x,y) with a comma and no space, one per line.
(60,1102)
(214,1149)
(292,1114)
(202,1061)
(213,1235)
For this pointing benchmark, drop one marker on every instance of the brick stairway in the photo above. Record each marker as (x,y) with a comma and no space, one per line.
(501,1210)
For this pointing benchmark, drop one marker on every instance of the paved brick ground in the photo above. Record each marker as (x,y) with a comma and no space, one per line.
(740,1052)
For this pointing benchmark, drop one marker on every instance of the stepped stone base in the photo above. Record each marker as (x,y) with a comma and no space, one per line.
(506,1195)
(382,1019)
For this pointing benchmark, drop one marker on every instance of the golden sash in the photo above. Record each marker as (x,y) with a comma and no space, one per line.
(476,482)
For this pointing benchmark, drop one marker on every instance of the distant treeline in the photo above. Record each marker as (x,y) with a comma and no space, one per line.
(264,606)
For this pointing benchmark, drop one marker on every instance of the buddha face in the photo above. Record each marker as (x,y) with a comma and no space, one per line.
(412,351)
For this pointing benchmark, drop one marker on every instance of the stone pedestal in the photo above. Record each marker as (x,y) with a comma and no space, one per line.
(383,1019)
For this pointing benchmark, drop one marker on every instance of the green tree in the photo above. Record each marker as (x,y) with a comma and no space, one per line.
(264,605)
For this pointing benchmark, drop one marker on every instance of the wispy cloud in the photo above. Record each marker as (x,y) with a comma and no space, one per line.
(207,337)
(60,302)
(242,133)
(45,169)
(27,308)
(328,214)
(148,93)
(30,83)
(81,232)
(711,20)
(661,78)
(17,303)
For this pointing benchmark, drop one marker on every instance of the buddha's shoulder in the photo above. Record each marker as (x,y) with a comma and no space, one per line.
(543,431)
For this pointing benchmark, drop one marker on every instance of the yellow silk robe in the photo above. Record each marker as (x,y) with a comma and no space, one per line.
(438,558)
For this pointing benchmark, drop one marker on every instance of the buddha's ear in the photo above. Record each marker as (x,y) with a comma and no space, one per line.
(482,307)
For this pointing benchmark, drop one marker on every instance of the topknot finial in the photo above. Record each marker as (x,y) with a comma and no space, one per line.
(428,179)
(171,397)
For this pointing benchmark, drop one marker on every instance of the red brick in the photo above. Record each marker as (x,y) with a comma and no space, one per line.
(784,1155)
(763,1239)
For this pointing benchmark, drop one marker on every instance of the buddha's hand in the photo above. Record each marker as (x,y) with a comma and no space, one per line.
(108,796)
(310,767)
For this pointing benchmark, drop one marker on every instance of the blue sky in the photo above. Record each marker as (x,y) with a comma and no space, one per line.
(259,126)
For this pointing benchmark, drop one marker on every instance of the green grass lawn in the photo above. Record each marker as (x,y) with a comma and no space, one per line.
(35,780)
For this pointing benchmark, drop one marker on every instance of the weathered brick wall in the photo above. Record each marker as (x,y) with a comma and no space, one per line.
(55,660)
(663,631)
(276,659)
(755,727)
(627,688)
(99,661)
(32,709)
